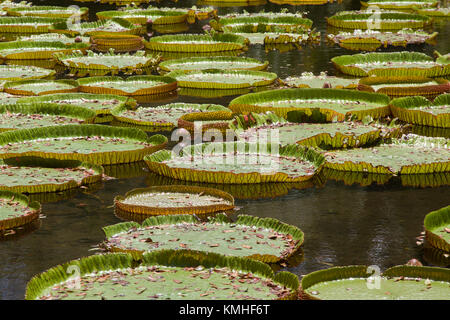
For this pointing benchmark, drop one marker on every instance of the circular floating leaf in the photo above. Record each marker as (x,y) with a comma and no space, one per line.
(27,116)
(264,239)
(410,154)
(114,26)
(211,121)
(437,228)
(223,79)
(203,63)
(434,12)
(168,274)
(400,4)
(16,210)
(335,103)
(40,87)
(119,42)
(15,73)
(391,64)
(27,24)
(400,282)
(6,98)
(24,50)
(174,200)
(48,11)
(237,163)
(131,86)
(144,16)
(196,43)
(419,110)
(277,35)
(93,143)
(39,175)
(309,80)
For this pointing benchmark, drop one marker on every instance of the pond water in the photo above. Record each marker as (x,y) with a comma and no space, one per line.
(343,224)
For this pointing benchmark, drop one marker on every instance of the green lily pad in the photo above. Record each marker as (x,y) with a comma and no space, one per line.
(112,26)
(276,37)
(410,154)
(434,12)
(39,50)
(391,64)
(400,4)
(93,143)
(396,283)
(223,79)
(27,116)
(267,240)
(14,73)
(27,24)
(335,103)
(195,43)
(419,110)
(162,116)
(145,16)
(34,175)
(6,98)
(237,163)
(203,63)
(131,86)
(309,80)
(437,228)
(40,87)
(48,11)
(4,5)
(164,274)
(16,210)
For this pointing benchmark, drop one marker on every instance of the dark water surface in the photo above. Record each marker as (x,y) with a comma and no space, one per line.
(370,225)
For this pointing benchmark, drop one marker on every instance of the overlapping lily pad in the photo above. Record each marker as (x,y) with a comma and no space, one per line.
(174,200)
(356,283)
(34,175)
(216,42)
(145,16)
(39,50)
(400,4)
(237,163)
(204,63)
(165,116)
(392,64)
(113,26)
(212,121)
(110,62)
(379,20)
(309,80)
(119,42)
(410,154)
(48,11)
(93,143)
(164,274)
(16,210)
(267,240)
(101,104)
(419,110)
(335,103)
(437,228)
(14,73)
(223,79)
(27,24)
(40,87)
(250,128)
(131,86)
(27,116)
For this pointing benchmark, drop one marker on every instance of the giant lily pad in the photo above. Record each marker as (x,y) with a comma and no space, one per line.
(392,64)
(410,154)
(144,16)
(203,63)
(174,200)
(212,121)
(108,62)
(164,274)
(419,110)
(101,104)
(378,20)
(24,50)
(26,24)
(118,42)
(356,282)
(276,36)
(165,116)
(223,79)
(309,80)
(405,86)
(217,42)
(400,4)
(114,26)
(437,228)
(38,175)
(16,210)
(40,87)
(434,12)
(27,116)
(7,4)
(48,11)
(53,37)
(14,73)
(237,163)
(6,98)
(254,126)
(93,143)
(131,86)
(335,103)
(267,240)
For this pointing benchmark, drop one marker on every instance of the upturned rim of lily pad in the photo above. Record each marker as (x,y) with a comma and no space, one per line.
(11,223)
(433,220)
